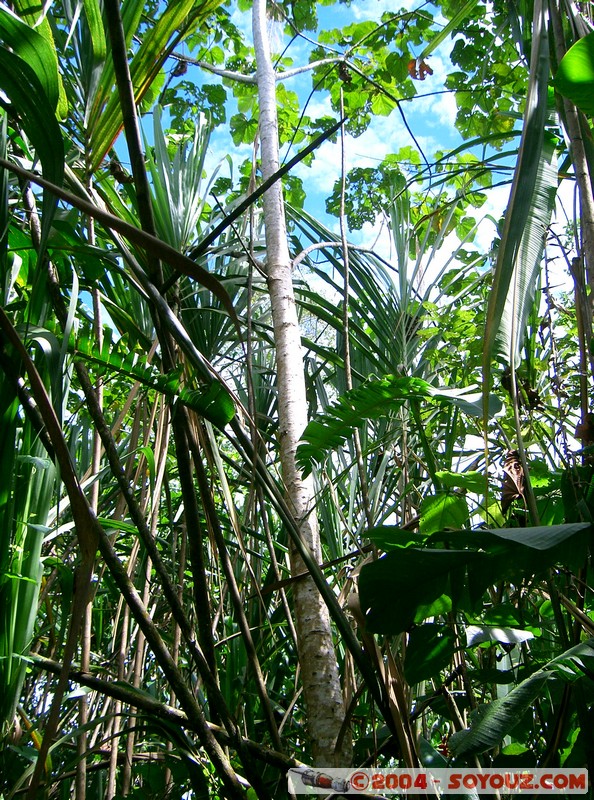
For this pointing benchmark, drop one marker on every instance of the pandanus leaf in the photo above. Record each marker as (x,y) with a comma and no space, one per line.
(500,717)
(527,216)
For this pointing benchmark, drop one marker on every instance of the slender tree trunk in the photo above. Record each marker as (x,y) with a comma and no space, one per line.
(331,746)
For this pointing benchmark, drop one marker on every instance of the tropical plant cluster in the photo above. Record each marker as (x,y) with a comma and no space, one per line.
(286,487)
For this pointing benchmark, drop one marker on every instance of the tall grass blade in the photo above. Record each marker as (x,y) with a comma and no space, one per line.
(527,215)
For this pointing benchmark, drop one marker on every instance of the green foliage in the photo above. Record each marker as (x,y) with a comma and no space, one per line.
(486,97)
(213,402)
(35,50)
(501,716)
(243,129)
(25,503)
(441,511)
(21,83)
(528,217)
(186,101)
(373,399)
(368,189)
(454,570)
(167,405)
(429,650)
(575,75)
(371,191)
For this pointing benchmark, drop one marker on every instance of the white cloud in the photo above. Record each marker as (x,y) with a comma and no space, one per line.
(436,107)
(386,135)
(365,9)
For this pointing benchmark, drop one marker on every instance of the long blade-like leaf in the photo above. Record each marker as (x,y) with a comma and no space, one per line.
(522,289)
(526,214)
(144,68)
(20,82)
(32,48)
(499,717)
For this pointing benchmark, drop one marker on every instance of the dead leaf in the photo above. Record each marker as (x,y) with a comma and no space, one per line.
(513,480)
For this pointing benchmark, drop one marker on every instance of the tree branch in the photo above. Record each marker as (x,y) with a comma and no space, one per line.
(239,77)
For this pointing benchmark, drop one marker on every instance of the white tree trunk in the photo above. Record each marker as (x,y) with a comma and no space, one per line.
(319,669)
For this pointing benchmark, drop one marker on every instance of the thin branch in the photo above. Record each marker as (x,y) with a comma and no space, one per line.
(336,244)
(398,101)
(345,318)
(239,77)
(142,700)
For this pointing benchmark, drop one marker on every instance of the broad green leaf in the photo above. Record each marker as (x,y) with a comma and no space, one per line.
(382,105)
(405,586)
(443,510)
(388,537)
(243,129)
(429,650)
(541,537)
(437,607)
(20,83)
(469,563)
(503,614)
(214,403)
(575,75)
(397,66)
(430,757)
(34,49)
(472,481)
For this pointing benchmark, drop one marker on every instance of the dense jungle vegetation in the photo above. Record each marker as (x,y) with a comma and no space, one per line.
(293,475)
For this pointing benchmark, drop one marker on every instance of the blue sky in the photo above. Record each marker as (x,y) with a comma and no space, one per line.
(430,116)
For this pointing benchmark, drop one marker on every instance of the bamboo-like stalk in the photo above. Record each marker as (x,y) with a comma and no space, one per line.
(177,637)
(137,675)
(348,372)
(85,657)
(122,651)
(90,533)
(25,496)
(181,430)
(215,527)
